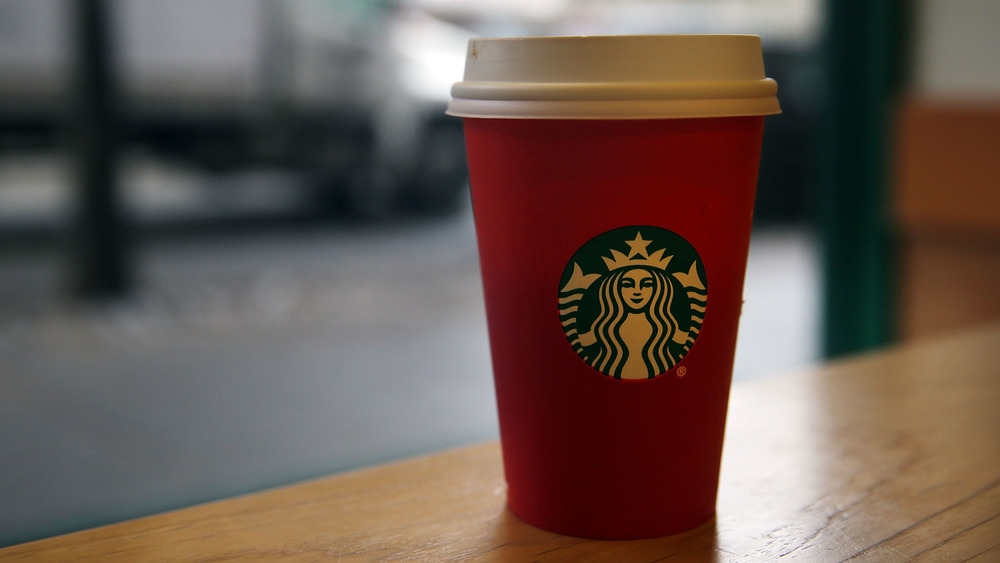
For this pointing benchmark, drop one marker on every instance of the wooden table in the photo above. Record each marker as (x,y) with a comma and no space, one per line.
(891,456)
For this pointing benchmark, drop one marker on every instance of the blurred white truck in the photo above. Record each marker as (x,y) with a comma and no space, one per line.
(349,92)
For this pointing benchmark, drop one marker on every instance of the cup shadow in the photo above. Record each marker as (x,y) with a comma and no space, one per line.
(517,540)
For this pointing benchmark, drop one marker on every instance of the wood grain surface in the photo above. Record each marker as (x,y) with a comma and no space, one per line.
(893,456)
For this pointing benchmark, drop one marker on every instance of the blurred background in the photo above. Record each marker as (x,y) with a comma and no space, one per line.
(236,246)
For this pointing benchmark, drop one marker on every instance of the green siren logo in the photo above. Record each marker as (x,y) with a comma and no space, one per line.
(634,314)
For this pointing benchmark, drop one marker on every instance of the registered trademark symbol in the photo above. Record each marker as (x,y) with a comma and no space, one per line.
(682,371)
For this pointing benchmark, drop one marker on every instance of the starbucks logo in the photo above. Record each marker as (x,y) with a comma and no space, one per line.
(632,301)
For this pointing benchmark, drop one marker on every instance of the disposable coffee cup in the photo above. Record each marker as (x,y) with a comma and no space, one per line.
(613,181)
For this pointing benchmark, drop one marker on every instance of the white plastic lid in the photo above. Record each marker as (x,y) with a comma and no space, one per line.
(614,77)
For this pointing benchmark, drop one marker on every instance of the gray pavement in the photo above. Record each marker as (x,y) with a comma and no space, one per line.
(264,356)
(242,362)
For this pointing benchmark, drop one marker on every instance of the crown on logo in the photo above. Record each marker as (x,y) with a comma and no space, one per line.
(637,256)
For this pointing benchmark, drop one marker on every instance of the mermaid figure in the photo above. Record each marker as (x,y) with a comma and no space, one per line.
(634,324)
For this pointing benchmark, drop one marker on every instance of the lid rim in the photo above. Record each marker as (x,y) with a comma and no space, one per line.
(613,110)
(555,91)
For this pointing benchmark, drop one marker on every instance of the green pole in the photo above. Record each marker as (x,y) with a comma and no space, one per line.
(862,62)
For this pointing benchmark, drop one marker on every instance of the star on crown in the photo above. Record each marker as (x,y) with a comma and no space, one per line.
(638,255)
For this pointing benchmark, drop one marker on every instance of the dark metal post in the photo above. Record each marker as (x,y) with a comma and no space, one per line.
(863,67)
(99,241)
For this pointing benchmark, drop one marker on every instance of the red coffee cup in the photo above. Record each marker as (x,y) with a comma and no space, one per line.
(613,181)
